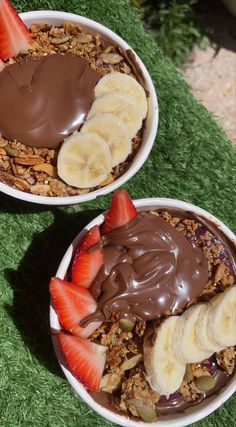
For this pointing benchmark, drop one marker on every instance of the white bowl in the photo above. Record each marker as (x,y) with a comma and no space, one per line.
(56,18)
(192,414)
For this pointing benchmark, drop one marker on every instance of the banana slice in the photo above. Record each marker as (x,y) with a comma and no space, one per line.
(222,318)
(164,372)
(84,160)
(119,82)
(114,132)
(185,345)
(121,106)
(203,338)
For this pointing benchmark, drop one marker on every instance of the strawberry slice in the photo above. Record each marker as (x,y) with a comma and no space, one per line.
(85,359)
(87,264)
(14,35)
(2,65)
(121,211)
(72,303)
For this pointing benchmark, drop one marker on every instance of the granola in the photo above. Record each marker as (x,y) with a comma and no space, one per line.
(226,359)
(34,169)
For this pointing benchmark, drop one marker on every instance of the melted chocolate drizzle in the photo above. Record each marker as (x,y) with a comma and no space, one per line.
(45,99)
(149,270)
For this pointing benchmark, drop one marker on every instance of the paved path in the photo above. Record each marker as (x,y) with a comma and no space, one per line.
(212,78)
(212,72)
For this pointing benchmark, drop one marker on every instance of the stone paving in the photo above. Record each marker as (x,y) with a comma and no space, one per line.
(212,78)
(211,73)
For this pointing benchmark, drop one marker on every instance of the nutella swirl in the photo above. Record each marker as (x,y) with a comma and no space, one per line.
(45,99)
(149,270)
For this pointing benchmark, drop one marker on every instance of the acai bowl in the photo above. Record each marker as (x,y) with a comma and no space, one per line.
(150,337)
(39,86)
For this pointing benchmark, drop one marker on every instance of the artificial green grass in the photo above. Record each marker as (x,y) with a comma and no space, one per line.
(191,160)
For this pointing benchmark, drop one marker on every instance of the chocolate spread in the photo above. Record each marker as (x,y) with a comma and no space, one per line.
(149,270)
(44,99)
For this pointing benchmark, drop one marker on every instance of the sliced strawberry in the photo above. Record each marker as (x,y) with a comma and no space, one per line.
(2,65)
(121,211)
(87,264)
(14,35)
(85,359)
(72,303)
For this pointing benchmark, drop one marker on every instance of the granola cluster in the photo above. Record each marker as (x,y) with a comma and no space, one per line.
(124,375)
(124,370)
(226,359)
(34,170)
(199,378)
(189,388)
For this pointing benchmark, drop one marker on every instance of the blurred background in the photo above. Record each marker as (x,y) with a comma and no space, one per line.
(200,38)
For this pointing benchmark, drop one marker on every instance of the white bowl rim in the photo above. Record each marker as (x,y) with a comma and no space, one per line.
(144,151)
(182,420)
